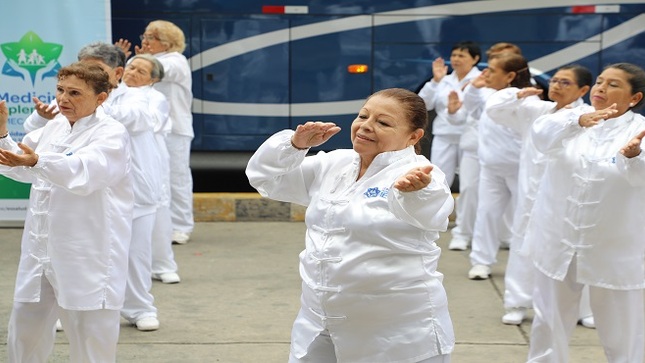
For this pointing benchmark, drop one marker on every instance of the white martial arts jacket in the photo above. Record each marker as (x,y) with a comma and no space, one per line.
(519,114)
(435,95)
(590,204)
(130,106)
(370,259)
(159,106)
(177,85)
(499,146)
(78,225)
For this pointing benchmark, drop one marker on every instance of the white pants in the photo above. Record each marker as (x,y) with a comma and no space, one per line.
(181,183)
(518,280)
(321,350)
(619,316)
(93,335)
(163,257)
(138,299)
(520,285)
(466,203)
(497,193)
(445,154)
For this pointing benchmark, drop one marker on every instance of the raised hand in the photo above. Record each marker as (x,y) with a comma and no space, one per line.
(313,134)
(593,118)
(480,81)
(44,110)
(439,69)
(27,158)
(125,45)
(633,147)
(529,91)
(454,103)
(415,179)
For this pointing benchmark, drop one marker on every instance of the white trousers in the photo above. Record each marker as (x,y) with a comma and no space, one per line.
(445,154)
(181,183)
(619,316)
(138,299)
(321,350)
(519,284)
(163,257)
(497,193)
(518,280)
(466,203)
(93,335)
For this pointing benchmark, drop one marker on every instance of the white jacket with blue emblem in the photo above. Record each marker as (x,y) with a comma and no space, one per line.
(369,267)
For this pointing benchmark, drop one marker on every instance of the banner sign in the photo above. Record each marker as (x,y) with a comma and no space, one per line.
(37,38)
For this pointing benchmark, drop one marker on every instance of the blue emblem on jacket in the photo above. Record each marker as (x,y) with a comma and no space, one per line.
(376,192)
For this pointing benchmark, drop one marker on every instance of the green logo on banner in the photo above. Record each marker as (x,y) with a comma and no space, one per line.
(32,55)
(10,189)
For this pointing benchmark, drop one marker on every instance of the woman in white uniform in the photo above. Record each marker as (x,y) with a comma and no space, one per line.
(517,109)
(142,71)
(445,152)
(166,42)
(371,291)
(74,256)
(587,226)
(471,103)
(131,108)
(499,155)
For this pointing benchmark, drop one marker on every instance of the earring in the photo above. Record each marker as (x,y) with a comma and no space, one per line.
(631,105)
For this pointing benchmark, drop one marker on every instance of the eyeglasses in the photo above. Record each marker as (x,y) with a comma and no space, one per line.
(564,83)
(147,37)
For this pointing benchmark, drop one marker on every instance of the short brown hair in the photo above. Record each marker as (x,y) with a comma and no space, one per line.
(95,76)
(503,47)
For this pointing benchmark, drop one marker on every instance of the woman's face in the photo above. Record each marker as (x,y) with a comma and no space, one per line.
(382,125)
(462,62)
(612,86)
(150,42)
(564,89)
(138,73)
(76,99)
(496,77)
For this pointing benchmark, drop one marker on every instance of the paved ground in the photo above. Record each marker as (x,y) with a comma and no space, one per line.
(239,294)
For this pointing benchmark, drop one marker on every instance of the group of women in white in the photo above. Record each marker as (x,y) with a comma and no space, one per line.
(561,180)
(99,226)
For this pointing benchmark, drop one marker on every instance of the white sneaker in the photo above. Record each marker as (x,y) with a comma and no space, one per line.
(180,237)
(167,278)
(479,272)
(59,326)
(148,323)
(588,322)
(458,244)
(514,316)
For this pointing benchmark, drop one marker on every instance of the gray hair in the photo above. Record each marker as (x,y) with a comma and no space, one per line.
(109,54)
(157,70)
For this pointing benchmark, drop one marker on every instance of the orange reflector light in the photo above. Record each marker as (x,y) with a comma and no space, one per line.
(357,68)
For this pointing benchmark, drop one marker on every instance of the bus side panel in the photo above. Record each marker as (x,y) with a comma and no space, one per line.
(251,78)
(319,73)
